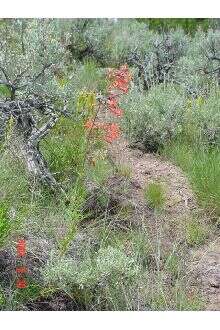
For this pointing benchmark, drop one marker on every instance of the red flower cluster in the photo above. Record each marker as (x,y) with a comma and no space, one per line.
(112,130)
(120,80)
(113,107)
(21,252)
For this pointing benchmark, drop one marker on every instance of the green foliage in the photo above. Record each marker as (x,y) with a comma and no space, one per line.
(5,225)
(100,171)
(156,117)
(74,213)
(165,114)
(190,25)
(124,170)
(172,107)
(206,117)
(195,232)
(184,301)
(107,269)
(4,91)
(172,265)
(32,44)
(141,248)
(203,169)
(204,174)
(65,148)
(28,294)
(155,196)
(2,299)
(14,180)
(89,77)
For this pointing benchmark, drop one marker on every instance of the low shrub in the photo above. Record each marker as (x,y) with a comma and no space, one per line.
(103,273)
(154,118)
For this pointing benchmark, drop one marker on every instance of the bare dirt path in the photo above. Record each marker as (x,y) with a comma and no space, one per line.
(146,168)
(206,267)
(204,262)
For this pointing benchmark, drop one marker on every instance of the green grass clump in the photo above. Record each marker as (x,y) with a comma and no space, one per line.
(172,264)
(202,165)
(124,170)
(65,148)
(195,232)
(155,195)
(100,171)
(185,301)
(4,223)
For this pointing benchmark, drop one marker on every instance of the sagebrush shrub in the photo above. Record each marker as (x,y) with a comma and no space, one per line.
(156,117)
(157,58)
(107,266)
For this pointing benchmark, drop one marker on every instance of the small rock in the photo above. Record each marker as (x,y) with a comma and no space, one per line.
(215,281)
(136,184)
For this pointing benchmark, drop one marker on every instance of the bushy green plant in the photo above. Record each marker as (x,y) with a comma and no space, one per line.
(205,115)
(14,181)
(102,274)
(107,41)
(28,47)
(89,77)
(156,61)
(195,232)
(156,117)
(65,148)
(205,175)
(107,265)
(197,71)
(190,25)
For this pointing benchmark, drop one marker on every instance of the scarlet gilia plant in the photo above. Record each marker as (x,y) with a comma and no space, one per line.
(119,80)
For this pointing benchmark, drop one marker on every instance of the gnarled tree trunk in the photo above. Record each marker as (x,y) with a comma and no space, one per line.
(28,135)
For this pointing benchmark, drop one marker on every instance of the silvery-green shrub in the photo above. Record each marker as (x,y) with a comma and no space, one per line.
(204,115)
(158,56)
(155,117)
(199,69)
(109,265)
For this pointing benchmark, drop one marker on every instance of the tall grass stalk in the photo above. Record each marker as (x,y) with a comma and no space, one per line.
(202,165)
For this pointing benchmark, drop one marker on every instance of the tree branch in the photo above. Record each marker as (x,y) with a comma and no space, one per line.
(41,132)
(45,67)
(5,74)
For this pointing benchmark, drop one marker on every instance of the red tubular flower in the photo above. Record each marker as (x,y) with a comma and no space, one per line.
(21,269)
(21,248)
(116,111)
(120,80)
(21,283)
(112,132)
(112,102)
(89,124)
(113,106)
